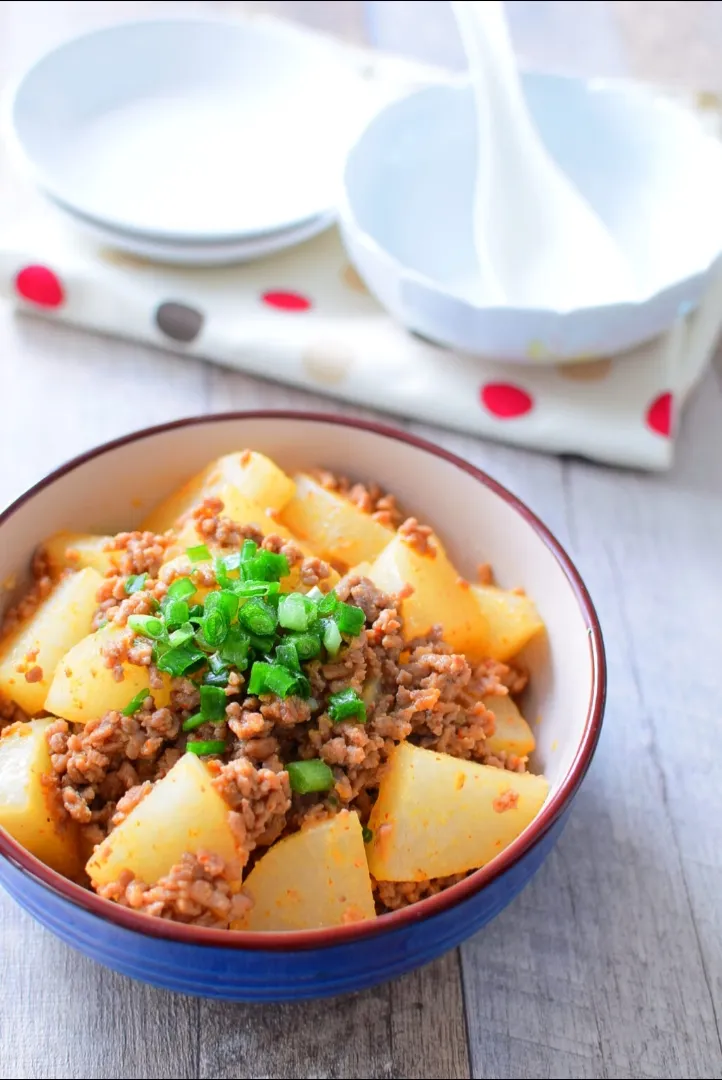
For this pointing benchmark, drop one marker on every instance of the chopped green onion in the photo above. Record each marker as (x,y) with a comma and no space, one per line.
(265,566)
(302,688)
(179,659)
(328,603)
(193,722)
(296,612)
(315,594)
(261,644)
(367,834)
(349,619)
(219,569)
(233,650)
(199,553)
(176,612)
(346,705)
(248,551)
(307,776)
(181,589)
(135,583)
(211,679)
(232,561)
(182,634)
(307,645)
(215,627)
(207,746)
(196,612)
(147,625)
(287,656)
(135,704)
(213,703)
(217,664)
(258,616)
(270,679)
(331,636)
(246,589)
(225,601)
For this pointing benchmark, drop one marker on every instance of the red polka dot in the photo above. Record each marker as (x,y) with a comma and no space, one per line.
(286,301)
(40,285)
(659,414)
(506,400)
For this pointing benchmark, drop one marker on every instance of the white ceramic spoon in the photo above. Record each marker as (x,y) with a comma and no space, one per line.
(538,241)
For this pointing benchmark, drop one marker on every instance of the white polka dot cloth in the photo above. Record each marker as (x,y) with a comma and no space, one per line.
(303,317)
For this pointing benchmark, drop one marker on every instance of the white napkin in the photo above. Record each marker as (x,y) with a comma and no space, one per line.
(303,317)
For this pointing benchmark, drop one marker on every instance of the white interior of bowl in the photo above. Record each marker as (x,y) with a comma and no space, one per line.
(114,490)
(189,127)
(646,167)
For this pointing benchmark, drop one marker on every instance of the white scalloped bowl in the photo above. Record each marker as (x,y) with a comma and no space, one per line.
(647,167)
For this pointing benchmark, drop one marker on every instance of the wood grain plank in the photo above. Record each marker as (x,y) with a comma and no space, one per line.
(64,1017)
(390,1031)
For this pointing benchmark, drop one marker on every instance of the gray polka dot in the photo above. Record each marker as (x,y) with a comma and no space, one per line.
(178,321)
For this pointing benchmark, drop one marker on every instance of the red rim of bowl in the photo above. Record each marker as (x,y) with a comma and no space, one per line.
(423,909)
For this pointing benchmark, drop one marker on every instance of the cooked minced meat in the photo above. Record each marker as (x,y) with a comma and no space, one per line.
(418,537)
(392,895)
(368,497)
(201,890)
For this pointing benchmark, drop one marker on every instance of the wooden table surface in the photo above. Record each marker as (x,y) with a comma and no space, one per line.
(610,963)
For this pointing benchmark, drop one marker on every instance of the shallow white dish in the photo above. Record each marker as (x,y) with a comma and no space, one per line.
(189,129)
(226,253)
(646,166)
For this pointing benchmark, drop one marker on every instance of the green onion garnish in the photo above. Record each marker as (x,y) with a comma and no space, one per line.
(296,612)
(246,589)
(258,617)
(217,664)
(133,706)
(193,722)
(307,645)
(231,562)
(215,627)
(331,636)
(213,703)
(307,776)
(199,553)
(179,659)
(287,656)
(224,600)
(346,705)
(261,644)
(248,551)
(212,679)
(270,679)
(181,589)
(328,603)
(233,650)
(135,583)
(349,619)
(315,594)
(367,834)
(176,612)
(207,746)
(148,625)
(182,634)
(265,566)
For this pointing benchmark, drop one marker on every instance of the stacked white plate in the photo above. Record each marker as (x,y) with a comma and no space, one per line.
(190,141)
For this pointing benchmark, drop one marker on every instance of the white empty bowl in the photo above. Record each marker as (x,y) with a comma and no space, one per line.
(189,129)
(645,165)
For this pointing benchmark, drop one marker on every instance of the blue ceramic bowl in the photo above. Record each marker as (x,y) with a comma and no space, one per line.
(112,487)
